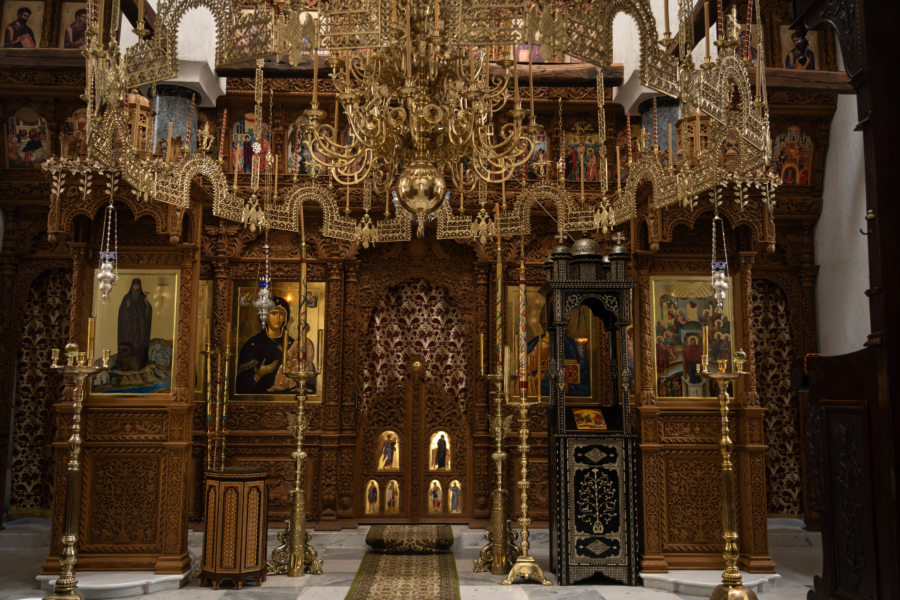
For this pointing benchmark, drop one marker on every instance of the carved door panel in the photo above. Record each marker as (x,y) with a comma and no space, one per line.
(442,478)
(413,458)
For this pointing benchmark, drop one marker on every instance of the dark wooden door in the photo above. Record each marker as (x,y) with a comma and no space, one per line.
(413,454)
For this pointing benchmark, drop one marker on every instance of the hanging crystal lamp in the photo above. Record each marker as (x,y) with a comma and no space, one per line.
(264,303)
(109,262)
(719,268)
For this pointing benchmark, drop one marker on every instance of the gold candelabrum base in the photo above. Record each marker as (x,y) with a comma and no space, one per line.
(296,556)
(78,368)
(525,567)
(500,550)
(732,587)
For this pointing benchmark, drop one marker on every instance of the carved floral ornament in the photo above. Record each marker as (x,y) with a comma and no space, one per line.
(724,130)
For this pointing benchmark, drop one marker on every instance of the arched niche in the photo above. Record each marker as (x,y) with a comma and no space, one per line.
(388,451)
(439,451)
(435,497)
(454,497)
(392,497)
(372,497)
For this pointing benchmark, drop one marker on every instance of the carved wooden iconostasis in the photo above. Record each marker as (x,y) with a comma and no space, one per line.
(379,416)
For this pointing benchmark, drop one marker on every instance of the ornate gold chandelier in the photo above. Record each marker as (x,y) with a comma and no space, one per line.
(428,103)
(418,105)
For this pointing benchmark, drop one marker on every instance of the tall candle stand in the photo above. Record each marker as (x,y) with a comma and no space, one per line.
(500,550)
(224,384)
(218,389)
(78,367)
(296,556)
(732,587)
(526,566)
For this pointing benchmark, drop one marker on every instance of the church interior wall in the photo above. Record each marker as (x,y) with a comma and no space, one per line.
(342,437)
(841,251)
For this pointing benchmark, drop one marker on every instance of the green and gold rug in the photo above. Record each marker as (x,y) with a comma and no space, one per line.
(407,562)
(410,539)
(406,577)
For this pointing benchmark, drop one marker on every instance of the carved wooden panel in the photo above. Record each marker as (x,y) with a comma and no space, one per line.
(693,495)
(118,519)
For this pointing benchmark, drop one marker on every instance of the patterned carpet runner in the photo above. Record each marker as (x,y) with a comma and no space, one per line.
(407,562)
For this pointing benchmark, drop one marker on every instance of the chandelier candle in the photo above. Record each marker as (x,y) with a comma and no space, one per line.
(667,34)
(222,134)
(190,123)
(169,144)
(706,28)
(671,148)
(628,137)
(655,127)
(618,170)
(481,352)
(747,31)
(135,124)
(720,22)
(90,340)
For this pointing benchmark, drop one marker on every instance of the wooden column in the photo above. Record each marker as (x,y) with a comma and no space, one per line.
(9,332)
(331,395)
(350,363)
(653,500)
(750,446)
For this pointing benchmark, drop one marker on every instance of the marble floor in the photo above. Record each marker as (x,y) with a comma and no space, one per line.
(797,554)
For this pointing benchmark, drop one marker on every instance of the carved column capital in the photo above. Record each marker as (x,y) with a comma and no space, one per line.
(220,269)
(481,273)
(335,270)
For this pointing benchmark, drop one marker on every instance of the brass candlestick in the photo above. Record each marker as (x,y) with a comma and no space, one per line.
(500,550)
(296,556)
(525,566)
(732,587)
(78,368)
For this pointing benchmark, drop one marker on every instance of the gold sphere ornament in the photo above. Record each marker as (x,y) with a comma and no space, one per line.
(421,190)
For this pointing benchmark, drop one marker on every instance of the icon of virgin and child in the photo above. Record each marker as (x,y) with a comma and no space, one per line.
(260,369)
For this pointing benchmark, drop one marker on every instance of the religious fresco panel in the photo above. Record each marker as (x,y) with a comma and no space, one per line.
(439,452)
(250,139)
(454,497)
(435,497)
(73,25)
(22,23)
(582,333)
(258,369)
(799,52)
(388,457)
(137,326)
(74,137)
(27,139)
(392,498)
(681,307)
(372,495)
(792,156)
